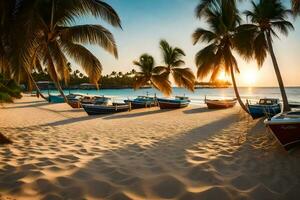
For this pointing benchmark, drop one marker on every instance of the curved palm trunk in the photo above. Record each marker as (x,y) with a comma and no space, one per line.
(286,106)
(59,88)
(38,91)
(56,82)
(237,92)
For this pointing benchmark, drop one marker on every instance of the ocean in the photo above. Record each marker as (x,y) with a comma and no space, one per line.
(197,97)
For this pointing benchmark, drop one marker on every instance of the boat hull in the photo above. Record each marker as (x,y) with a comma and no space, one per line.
(172,104)
(75,104)
(258,111)
(101,110)
(140,104)
(56,99)
(287,134)
(211,104)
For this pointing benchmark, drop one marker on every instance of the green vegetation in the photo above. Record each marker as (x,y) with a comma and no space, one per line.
(8,90)
(46,39)
(113,80)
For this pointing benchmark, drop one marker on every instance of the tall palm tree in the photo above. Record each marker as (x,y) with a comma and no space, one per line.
(149,74)
(223,37)
(49,38)
(172,58)
(267,17)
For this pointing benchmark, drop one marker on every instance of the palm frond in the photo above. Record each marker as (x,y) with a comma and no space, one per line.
(283,26)
(203,35)
(205,60)
(90,64)
(184,77)
(203,5)
(140,81)
(92,34)
(162,83)
(67,11)
(60,61)
(260,48)
(243,40)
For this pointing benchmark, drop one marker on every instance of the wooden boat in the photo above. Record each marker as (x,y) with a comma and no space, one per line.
(266,107)
(141,102)
(220,104)
(93,109)
(55,98)
(286,128)
(178,102)
(101,100)
(87,99)
(74,100)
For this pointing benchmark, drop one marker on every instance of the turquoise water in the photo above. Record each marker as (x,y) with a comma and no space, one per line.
(198,96)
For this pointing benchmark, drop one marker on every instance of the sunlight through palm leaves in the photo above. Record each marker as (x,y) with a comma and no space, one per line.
(223,36)
(267,17)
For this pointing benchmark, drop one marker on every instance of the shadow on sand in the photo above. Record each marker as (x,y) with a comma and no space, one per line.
(165,168)
(133,114)
(197,110)
(28,104)
(104,175)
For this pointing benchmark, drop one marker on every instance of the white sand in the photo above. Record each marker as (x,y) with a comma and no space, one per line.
(192,153)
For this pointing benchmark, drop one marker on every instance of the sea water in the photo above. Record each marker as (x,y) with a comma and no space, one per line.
(197,97)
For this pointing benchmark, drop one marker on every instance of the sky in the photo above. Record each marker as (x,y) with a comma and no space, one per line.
(146,22)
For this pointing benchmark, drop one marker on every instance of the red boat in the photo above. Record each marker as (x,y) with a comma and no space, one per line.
(220,104)
(286,128)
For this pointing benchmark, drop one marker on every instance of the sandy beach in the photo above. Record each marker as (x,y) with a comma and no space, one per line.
(192,153)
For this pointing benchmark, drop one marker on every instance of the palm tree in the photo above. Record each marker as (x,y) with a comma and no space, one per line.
(172,58)
(223,37)
(49,39)
(58,39)
(113,74)
(267,17)
(149,74)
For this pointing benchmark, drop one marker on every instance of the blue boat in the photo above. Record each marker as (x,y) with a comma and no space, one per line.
(141,102)
(178,102)
(266,107)
(56,99)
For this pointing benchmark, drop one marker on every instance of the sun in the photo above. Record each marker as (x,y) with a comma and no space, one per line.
(249,77)
(222,76)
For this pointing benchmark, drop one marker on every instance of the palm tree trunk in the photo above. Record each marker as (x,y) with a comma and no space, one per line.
(59,88)
(38,91)
(237,92)
(286,106)
(34,83)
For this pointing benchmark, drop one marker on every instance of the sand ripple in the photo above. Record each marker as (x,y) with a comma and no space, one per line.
(146,154)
